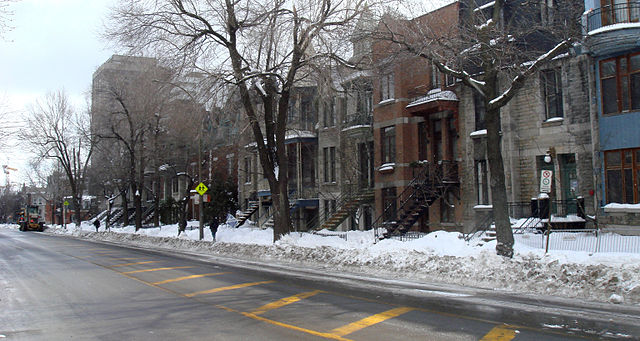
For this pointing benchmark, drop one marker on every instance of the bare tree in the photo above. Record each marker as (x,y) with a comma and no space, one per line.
(493,49)
(55,132)
(261,47)
(5,16)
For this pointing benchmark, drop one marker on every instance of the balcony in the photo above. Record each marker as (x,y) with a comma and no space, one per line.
(357,123)
(612,28)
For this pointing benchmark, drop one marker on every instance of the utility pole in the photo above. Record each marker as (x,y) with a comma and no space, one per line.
(201,202)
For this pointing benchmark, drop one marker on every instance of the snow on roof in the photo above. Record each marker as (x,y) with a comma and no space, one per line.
(434,95)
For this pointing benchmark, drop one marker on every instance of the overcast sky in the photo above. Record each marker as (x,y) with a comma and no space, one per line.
(54,45)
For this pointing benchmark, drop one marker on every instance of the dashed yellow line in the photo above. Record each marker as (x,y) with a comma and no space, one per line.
(157,269)
(127,258)
(231,287)
(135,263)
(177,279)
(500,333)
(371,320)
(285,301)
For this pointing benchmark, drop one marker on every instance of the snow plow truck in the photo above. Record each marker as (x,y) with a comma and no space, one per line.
(29,219)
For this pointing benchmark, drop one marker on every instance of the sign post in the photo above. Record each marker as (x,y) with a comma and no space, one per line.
(545,181)
(201,189)
(64,214)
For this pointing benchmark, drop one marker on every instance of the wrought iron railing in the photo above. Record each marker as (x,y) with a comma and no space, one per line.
(358,119)
(347,194)
(612,14)
(430,180)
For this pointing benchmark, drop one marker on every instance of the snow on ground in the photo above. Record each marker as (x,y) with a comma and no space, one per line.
(439,257)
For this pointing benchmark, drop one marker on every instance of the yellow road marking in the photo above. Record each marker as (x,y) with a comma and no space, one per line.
(500,333)
(231,287)
(135,263)
(127,258)
(288,326)
(188,277)
(285,301)
(157,269)
(369,321)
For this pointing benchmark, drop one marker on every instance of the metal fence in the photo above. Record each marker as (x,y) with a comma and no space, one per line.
(594,240)
(411,235)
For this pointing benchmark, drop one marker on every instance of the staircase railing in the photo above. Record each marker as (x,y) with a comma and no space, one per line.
(348,194)
(481,227)
(429,183)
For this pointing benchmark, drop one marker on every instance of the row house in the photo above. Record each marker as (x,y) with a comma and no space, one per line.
(428,123)
(611,30)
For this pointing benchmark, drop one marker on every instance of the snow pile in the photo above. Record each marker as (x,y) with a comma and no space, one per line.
(439,257)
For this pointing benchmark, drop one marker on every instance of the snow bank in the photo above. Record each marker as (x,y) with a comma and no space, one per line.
(439,257)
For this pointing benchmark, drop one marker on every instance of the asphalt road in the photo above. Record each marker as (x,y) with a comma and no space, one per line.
(61,288)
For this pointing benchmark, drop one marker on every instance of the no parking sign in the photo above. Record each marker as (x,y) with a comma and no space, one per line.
(545,181)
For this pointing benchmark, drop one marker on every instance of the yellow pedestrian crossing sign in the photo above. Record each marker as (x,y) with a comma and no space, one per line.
(201,188)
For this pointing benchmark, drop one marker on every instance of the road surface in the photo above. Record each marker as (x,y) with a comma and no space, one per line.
(62,288)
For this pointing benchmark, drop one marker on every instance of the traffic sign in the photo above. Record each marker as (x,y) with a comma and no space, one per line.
(545,181)
(66,203)
(201,188)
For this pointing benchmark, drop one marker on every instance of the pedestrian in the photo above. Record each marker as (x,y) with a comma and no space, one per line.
(96,223)
(214,226)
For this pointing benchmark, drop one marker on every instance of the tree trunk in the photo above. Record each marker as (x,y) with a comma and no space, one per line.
(138,194)
(498,188)
(125,207)
(281,215)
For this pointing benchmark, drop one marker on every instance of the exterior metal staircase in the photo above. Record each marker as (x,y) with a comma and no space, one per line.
(251,209)
(430,184)
(269,223)
(346,204)
(147,215)
(346,208)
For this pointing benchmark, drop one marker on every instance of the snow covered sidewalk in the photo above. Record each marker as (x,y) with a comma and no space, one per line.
(440,257)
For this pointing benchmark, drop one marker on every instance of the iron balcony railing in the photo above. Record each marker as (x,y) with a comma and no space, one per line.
(613,14)
(358,119)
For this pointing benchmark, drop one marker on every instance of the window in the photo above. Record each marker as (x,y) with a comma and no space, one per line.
(619,11)
(447,209)
(480,110)
(329,113)
(363,101)
(622,176)
(482,183)
(365,156)
(620,84)
(247,169)
(329,154)
(230,164)
(175,185)
(389,203)
(435,76)
(386,87)
(388,138)
(551,82)
(329,208)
